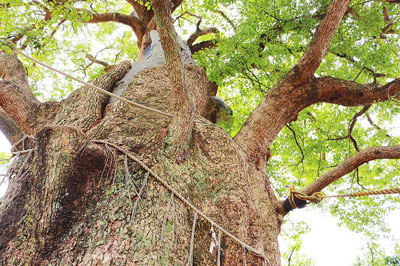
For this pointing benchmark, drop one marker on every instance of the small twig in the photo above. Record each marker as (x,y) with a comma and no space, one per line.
(358,179)
(95,60)
(387,29)
(190,262)
(226,18)
(297,143)
(351,126)
(190,14)
(290,256)
(375,75)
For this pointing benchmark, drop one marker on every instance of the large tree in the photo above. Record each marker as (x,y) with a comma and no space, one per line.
(312,85)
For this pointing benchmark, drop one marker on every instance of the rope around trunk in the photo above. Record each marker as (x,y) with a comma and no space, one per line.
(187,202)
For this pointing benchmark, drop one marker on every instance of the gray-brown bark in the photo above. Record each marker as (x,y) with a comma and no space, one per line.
(180,129)
(76,201)
(289,95)
(8,127)
(73,198)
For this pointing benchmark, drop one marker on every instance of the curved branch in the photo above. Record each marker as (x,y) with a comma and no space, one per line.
(351,126)
(349,93)
(297,143)
(220,12)
(352,163)
(282,104)
(180,129)
(292,93)
(17,102)
(137,26)
(202,45)
(198,33)
(318,47)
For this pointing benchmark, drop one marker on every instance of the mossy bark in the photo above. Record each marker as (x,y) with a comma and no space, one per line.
(75,201)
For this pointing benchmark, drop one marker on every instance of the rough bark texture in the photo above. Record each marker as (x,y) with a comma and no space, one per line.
(292,93)
(180,129)
(76,199)
(74,203)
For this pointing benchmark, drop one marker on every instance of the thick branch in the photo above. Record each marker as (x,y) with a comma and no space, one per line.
(292,93)
(350,164)
(318,47)
(198,33)
(349,93)
(12,132)
(180,129)
(18,105)
(128,20)
(16,99)
(142,12)
(373,153)
(202,45)
(12,70)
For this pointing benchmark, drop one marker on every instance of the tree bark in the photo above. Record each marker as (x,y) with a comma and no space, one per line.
(75,201)
(292,93)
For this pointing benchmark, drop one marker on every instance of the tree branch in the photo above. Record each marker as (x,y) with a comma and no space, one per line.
(348,58)
(18,105)
(202,45)
(137,26)
(349,93)
(12,70)
(142,12)
(318,47)
(180,129)
(226,18)
(292,93)
(198,33)
(12,132)
(16,98)
(352,163)
(351,126)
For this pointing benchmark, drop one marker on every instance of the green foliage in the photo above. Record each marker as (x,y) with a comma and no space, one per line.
(392,261)
(257,44)
(4,157)
(65,44)
(293,237)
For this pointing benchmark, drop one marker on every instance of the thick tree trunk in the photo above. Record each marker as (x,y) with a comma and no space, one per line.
(75,201)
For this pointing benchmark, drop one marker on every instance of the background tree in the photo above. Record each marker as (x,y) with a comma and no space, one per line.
(314,90)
